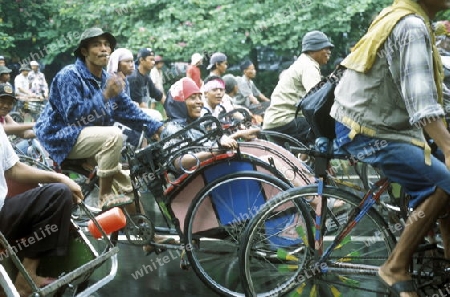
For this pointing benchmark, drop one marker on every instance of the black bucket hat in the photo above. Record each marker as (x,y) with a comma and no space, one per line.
(90,33)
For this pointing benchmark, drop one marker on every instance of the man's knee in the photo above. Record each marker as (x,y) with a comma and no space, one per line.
(114,136)
(60,192)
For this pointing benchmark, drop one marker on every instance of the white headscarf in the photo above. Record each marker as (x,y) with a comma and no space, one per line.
(118,55)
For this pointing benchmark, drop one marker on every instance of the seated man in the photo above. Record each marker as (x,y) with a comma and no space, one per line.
(185,90)
(42,208)
(395,99)
(213,90)
(293,85)
(84,103)
(248,94)
(11,127)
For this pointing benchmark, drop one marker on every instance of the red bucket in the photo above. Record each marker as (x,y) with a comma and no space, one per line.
(111,220)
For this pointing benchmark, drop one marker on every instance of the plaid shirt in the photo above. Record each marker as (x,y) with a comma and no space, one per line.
(410,42)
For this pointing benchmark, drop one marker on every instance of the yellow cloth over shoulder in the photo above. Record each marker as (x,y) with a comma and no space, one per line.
(364,53)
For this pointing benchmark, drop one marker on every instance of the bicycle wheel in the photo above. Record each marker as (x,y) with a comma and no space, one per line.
(17,117)
(214,223)
(351,268)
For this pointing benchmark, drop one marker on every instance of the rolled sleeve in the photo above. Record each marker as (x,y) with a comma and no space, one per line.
(411,47)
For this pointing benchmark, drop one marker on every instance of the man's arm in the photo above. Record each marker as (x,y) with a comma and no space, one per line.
(21,172)
(439,133)
(22,130)
(153,90)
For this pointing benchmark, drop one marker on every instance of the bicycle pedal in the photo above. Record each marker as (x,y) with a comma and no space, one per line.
(159,250)
(184,264)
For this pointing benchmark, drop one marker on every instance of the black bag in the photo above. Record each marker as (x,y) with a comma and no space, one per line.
(316,105)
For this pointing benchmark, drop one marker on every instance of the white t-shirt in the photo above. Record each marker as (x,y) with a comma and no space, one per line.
(8,159)
(21,82)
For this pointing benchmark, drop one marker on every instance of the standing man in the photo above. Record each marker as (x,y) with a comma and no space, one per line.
(142,87)
(2,61)
(84,103)
(294,83)
(38,84)
(391,93)
(218,64)
(248,94)
(157,77)
(193,70)
(22,83)
(5,75)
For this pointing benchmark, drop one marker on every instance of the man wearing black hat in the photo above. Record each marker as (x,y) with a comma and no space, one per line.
(294,83)
(248,94)
(142,87)
(5,74)
(84,102)
(24,214)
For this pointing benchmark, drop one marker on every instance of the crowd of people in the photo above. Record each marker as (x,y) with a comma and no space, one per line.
(390,90)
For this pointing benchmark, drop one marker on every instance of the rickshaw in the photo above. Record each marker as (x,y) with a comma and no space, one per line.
(72,271)
(210,204)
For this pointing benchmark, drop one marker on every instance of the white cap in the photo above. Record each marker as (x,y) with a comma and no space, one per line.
(34,63)
(196,58)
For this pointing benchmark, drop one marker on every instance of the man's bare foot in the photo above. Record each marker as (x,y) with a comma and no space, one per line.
(391,279)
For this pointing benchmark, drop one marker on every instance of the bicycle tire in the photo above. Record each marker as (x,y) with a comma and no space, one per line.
(216,249)
(378,240)
(17,117)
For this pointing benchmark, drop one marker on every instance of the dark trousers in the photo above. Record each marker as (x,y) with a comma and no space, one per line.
(36,222)
(297,128)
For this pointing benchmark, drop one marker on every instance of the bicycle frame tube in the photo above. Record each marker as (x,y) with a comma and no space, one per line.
(370,198)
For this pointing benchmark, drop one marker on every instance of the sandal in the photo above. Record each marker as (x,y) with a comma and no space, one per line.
(111,201)
(158,239)
(401,286)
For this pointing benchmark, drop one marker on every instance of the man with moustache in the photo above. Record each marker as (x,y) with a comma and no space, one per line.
(84,102)
(392,91)
(294,83)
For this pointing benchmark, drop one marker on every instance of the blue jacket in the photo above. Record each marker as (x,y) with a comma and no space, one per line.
(75,102)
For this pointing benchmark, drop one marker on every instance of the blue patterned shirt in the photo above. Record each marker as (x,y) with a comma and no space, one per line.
(76,101)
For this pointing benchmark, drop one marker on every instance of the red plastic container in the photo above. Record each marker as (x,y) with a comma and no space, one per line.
(111,220)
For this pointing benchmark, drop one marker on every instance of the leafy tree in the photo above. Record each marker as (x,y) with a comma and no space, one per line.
(177,29)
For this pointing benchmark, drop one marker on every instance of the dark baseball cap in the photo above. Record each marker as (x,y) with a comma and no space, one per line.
(6,90)
(4,69)
(216,58)
(90,33)
(245,64)
(145,52)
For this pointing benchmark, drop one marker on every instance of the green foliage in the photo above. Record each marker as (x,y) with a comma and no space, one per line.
(177,28)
